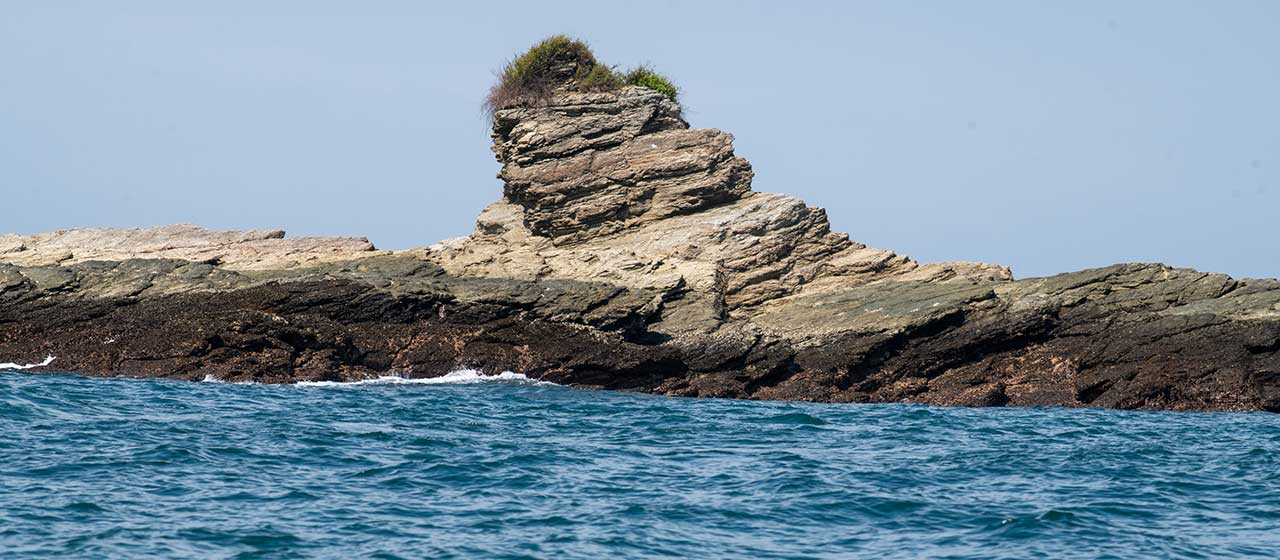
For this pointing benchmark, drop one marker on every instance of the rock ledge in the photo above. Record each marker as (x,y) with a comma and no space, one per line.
(630,252)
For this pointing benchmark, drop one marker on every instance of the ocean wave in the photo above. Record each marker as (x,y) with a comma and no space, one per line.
(507,470)
(10,365)
(460,377)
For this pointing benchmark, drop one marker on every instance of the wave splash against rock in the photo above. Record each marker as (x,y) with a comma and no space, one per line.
(630,252)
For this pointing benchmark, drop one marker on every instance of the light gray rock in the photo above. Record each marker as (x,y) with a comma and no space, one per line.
(247,250)
(629,251)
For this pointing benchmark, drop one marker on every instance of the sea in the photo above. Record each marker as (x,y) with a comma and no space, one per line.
(471,466)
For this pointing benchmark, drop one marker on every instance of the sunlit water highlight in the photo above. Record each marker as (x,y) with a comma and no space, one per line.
(507,468)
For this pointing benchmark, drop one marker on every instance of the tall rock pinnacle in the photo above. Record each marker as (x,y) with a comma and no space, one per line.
(630,251)
(616,186)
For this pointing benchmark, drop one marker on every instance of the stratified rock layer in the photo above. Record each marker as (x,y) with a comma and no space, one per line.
(238,250)
(630,252)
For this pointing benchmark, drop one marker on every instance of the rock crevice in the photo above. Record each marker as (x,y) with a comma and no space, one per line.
(630,251)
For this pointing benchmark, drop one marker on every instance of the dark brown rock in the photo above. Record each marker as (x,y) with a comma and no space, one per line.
(630,253)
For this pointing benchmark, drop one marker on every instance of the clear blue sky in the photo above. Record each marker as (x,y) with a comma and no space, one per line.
(1048,136)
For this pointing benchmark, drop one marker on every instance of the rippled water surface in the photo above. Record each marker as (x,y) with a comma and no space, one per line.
(511,469)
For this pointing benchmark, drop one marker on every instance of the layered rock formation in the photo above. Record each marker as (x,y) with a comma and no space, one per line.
(234,250)
(630,252)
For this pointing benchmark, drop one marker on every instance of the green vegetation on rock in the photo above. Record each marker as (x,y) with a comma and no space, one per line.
(600,78)
(644,76)
(562,61)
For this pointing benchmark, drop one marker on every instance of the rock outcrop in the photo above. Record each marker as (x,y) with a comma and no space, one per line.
(235,250)
(629,251)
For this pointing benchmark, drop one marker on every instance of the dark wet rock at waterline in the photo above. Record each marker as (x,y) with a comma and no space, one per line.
(630,252)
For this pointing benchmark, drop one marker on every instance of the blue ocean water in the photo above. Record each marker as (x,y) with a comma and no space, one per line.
(512,469)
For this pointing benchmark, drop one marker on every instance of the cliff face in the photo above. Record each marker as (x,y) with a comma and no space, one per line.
(630,252)
(616,187)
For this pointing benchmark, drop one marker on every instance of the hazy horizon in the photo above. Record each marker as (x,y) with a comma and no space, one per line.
(1048,138)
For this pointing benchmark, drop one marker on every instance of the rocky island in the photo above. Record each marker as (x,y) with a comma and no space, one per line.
(628,251)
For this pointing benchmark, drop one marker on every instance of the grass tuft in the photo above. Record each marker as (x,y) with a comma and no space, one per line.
(600,78)
(562,61)
(644,76)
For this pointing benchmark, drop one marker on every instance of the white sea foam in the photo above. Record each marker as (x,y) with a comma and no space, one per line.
(209,378)
(460,377)
(9,365)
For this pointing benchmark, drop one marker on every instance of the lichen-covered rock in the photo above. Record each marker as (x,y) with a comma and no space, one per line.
(630,252)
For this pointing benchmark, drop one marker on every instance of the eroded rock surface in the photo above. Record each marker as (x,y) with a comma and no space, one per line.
(630,252)
(238,250)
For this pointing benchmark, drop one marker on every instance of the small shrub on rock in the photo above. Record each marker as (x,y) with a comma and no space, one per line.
(600,78)
(536,73)
(561,61)
(644,76)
